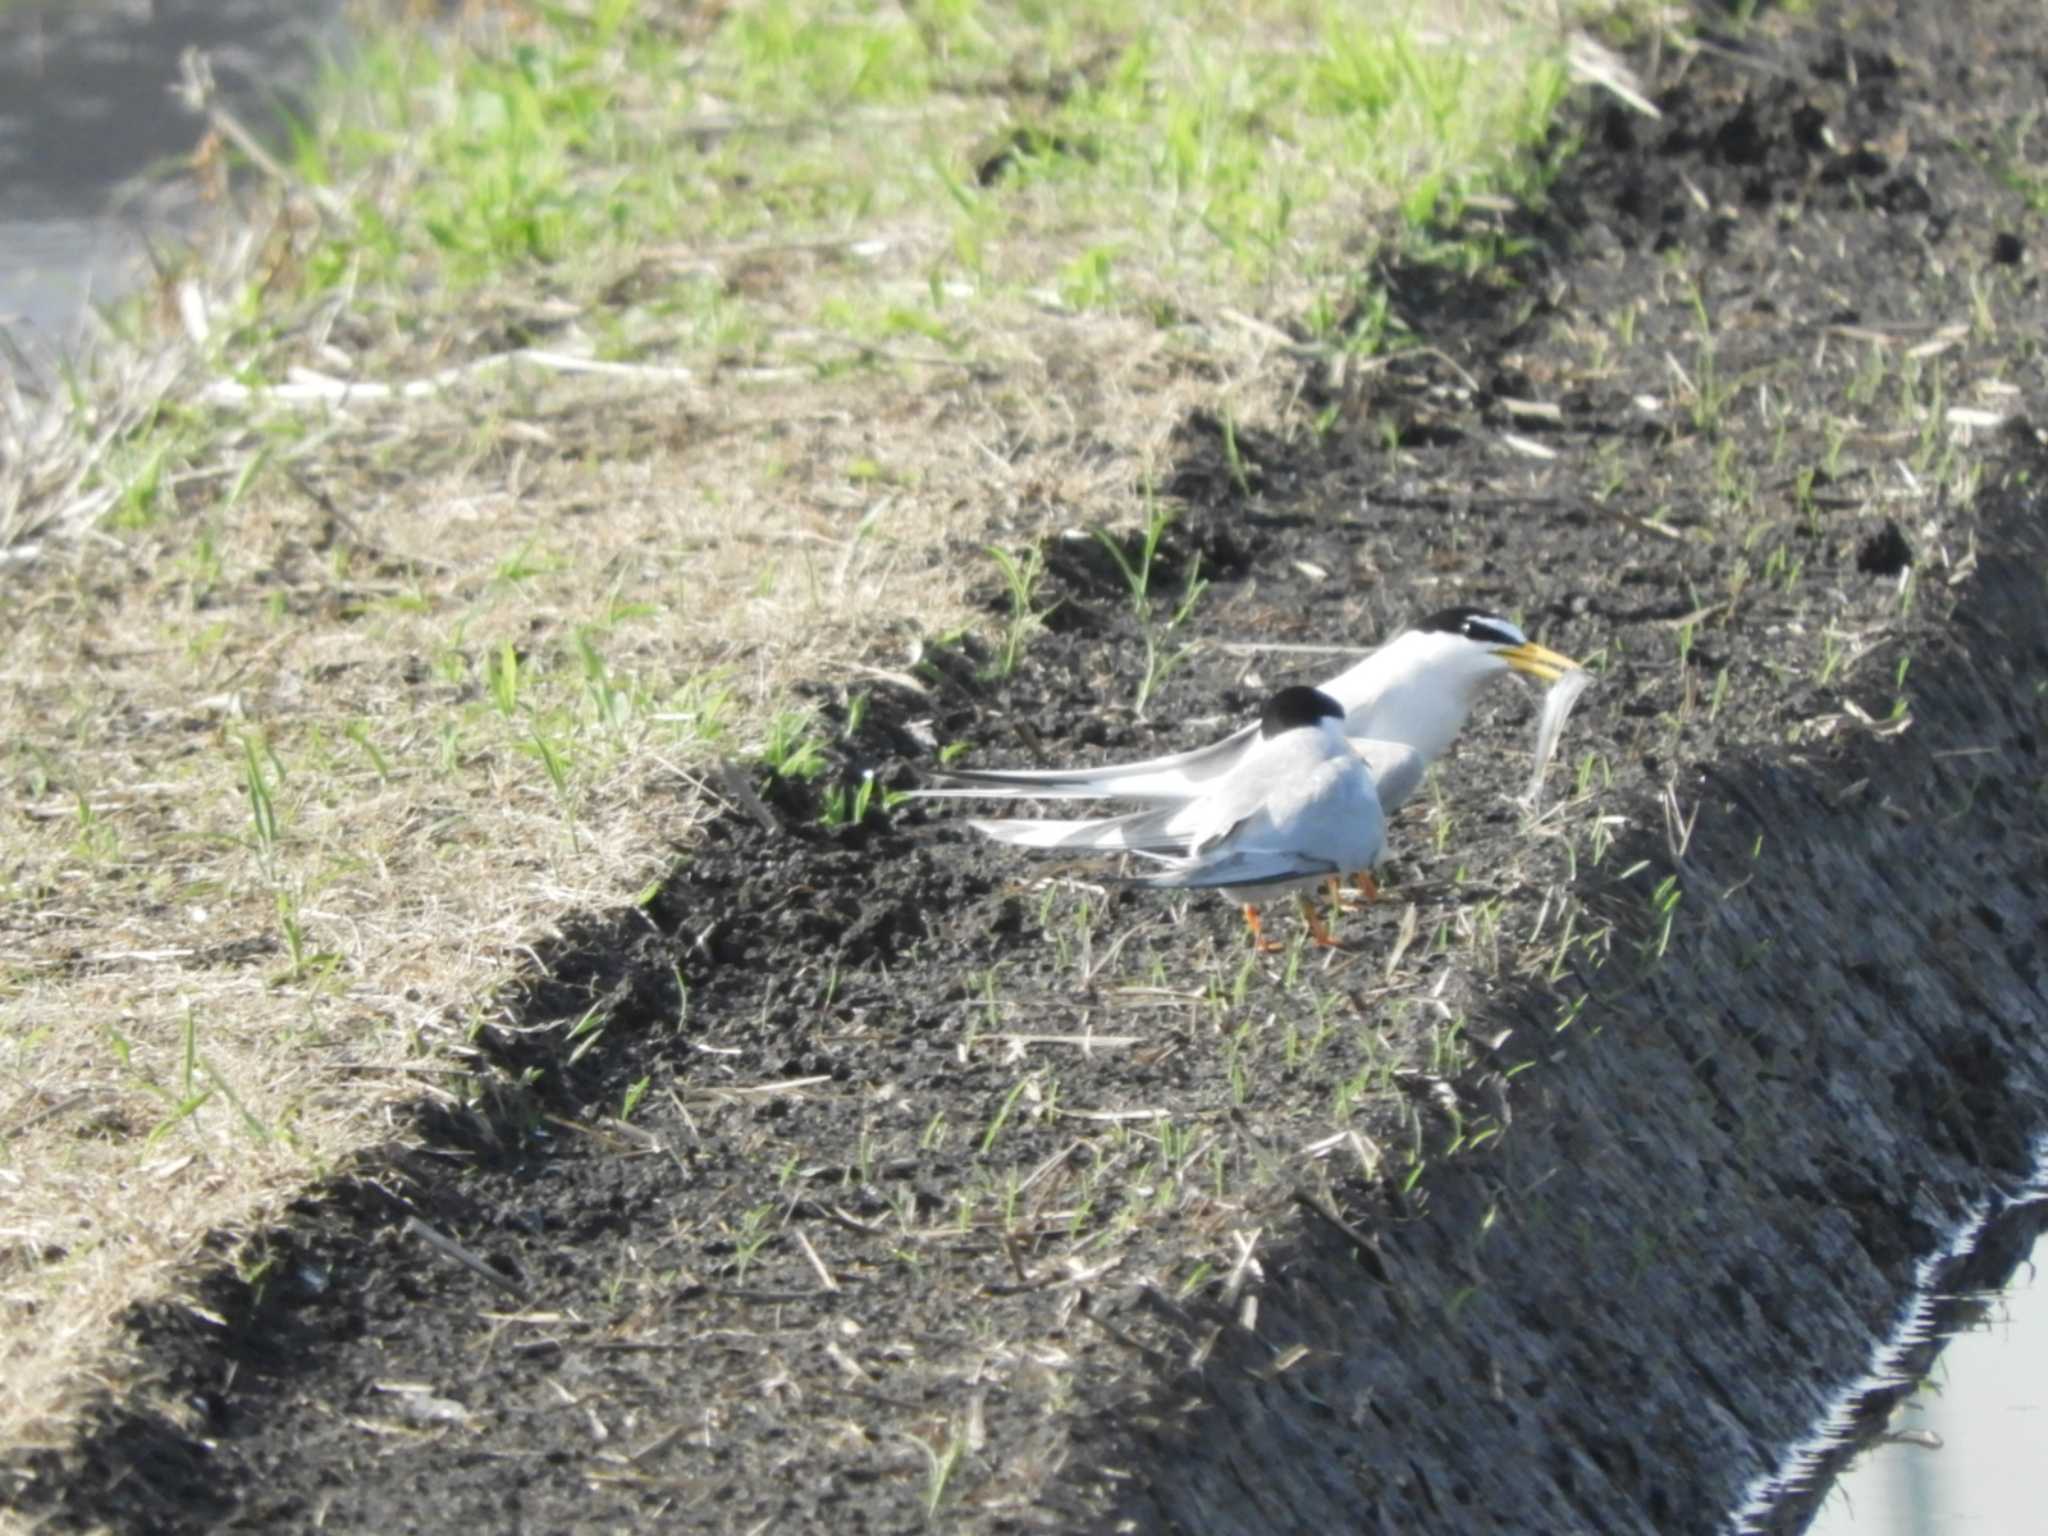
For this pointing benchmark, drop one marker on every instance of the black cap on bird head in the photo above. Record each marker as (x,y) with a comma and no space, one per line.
(1292,708)
(1474,624)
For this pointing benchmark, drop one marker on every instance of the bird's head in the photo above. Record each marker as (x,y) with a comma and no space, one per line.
(1293,708)
(1470,645)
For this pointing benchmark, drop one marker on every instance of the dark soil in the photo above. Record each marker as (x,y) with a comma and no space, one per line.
(1565,1199)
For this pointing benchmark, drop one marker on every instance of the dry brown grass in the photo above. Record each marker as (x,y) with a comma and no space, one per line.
(274,833)
(171,1069)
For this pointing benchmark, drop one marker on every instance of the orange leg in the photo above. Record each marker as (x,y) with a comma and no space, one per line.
(1260,942)
(1314,919)
(1368,887)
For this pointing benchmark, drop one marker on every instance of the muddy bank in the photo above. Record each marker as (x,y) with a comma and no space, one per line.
(862,1176)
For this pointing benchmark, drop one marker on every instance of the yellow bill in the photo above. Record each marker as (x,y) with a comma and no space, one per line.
(1536,660)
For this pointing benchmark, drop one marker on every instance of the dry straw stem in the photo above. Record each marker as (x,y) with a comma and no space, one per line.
(330,697)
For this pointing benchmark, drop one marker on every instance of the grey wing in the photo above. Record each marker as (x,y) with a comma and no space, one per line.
(1396,770)
(1177,829)
(1155,833)
(1178,777)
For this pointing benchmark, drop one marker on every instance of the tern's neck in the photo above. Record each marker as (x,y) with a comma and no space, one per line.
(1421,701)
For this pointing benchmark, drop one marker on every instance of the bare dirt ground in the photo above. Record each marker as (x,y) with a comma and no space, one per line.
(867,1178)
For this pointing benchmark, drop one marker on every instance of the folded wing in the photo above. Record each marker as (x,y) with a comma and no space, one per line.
(1147,832)
(1181,776)
(1396,771)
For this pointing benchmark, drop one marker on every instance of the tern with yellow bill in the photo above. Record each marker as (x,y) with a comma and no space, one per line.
(1400,707)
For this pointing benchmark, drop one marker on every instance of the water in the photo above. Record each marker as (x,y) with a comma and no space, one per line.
(1971,1456)
(91,133)
(1959,1392)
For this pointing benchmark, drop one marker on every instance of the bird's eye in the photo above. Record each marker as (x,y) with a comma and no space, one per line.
(1489,631)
